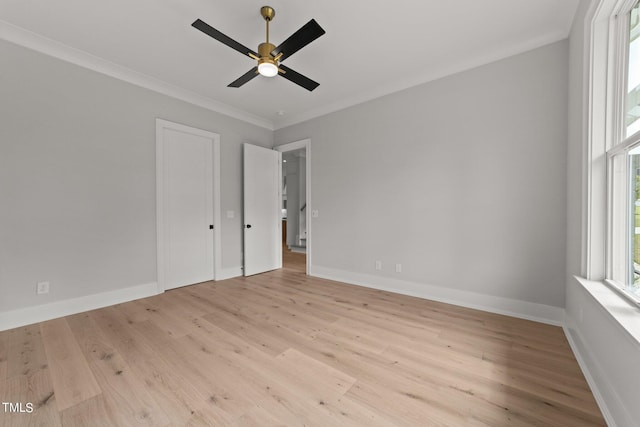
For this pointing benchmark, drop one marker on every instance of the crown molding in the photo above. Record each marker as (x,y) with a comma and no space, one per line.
(38,43)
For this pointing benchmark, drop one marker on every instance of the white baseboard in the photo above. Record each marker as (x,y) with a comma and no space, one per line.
(228,273)
(40,313)
(510,307)
(584,361)
(521,309)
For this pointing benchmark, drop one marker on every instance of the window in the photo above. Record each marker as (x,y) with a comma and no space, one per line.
(632,111)
(623,156)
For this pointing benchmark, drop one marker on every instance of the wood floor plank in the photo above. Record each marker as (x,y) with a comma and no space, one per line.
(30,382)
(14,390)
(41,394)
(4,340)
(314,392)
(90,338)
(435,358)
(3,373)
(290,383)
(35,397)
(341,331)
(315,373)
(72,378)
(372,369)
(4,395)
(250,330)
(339,301)
(126,395)
(73,381)
(248,373)
(212,381)
(133,313)
(126,398)
(347,412)
(160,315)
(549,373)
(408,404)
(189,301)
(180,402)
(483,390)
(92,412)
(118,333)
(236,386)
(257,417)
(25,354)
(266,294)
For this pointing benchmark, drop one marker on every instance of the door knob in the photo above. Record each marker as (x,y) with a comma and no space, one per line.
(248,225)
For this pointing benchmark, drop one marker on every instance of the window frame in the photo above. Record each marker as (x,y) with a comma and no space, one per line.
(616,147)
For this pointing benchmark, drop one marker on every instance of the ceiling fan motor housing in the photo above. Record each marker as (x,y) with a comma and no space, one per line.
(264,50)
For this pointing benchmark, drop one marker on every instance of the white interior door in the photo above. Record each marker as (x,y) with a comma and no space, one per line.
(186,223)
(262,212)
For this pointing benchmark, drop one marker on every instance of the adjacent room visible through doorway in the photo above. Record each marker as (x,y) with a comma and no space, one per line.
(295,205)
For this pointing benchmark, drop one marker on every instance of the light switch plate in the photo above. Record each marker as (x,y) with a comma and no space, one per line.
(314,213)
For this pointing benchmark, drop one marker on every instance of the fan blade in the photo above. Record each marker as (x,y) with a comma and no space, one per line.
(209,30)
(298,78)
(244,78)
(305,35)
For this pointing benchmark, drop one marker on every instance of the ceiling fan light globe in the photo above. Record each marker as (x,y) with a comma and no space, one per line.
(267,69)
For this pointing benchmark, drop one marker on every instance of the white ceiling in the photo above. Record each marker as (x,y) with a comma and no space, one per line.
(371,48)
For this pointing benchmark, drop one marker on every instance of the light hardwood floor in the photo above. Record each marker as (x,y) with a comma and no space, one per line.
(294,260)
(282,348)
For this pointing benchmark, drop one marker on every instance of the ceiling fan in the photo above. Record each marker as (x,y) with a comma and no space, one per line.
(269,56)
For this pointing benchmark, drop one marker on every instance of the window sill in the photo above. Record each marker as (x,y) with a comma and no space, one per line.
(624,312)
(631,299)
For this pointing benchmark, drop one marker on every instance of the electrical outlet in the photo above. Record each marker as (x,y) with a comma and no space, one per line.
(378,265)
(398,268)
(42,288)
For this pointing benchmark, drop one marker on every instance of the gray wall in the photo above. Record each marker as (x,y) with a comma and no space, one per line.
(77,178)
(461,180)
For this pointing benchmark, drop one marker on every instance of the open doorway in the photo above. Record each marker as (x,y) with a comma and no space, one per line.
(295,204)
